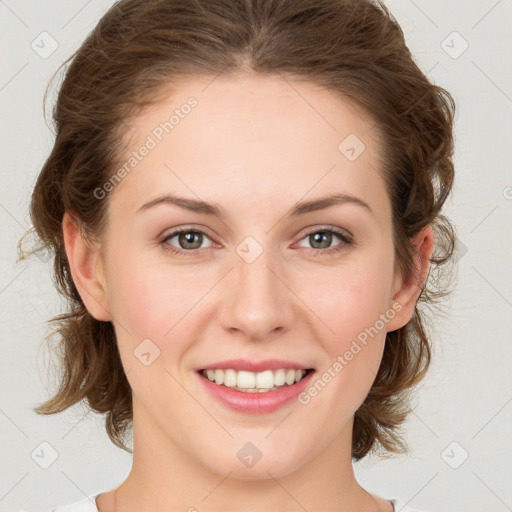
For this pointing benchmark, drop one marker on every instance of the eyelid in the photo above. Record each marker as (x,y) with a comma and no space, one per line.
(184,229)
(336,230)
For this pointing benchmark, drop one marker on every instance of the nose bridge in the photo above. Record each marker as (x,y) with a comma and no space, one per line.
(259,301)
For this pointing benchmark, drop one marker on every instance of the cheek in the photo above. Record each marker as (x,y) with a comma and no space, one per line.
(353,304)
(159,309)
(351,299)
(150,298)
(150,305)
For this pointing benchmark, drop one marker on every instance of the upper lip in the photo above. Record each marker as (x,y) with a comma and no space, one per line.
(255,366)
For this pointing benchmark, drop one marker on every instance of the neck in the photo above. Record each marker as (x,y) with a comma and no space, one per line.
(173,480)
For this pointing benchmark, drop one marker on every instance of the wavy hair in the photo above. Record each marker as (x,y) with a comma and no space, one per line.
(354,48)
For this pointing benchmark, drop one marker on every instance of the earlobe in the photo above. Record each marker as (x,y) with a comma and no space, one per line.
(409,291)
(86,268)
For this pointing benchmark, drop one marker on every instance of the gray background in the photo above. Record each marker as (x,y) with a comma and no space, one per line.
(459,434)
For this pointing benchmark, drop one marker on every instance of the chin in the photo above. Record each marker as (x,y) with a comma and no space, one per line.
(248,464)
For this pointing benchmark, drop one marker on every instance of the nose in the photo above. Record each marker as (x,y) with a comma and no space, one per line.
(258,302)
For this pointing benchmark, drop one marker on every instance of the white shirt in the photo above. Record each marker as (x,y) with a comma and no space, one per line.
(89,505)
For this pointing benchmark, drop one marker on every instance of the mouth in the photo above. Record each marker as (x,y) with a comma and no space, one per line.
(259,392)
(255,382)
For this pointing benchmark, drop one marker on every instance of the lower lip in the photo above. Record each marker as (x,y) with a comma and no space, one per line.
(256,403)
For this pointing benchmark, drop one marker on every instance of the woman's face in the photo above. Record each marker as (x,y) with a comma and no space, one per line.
(258,278)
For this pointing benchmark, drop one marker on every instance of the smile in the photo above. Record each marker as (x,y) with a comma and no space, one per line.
(251,382)
(259,393)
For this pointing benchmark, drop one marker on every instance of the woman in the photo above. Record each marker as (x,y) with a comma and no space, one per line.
(244,200)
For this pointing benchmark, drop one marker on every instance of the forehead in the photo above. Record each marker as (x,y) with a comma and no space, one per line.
(252,137)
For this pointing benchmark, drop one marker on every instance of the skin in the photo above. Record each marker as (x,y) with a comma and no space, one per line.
(254,146)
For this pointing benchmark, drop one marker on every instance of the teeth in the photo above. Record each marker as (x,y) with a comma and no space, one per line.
(229,378)
(219,377)
(264,380)
(279,377)
(246,379)
(290,377)
(251,382)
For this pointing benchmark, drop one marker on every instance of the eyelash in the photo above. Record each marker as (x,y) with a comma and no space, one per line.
(343,236)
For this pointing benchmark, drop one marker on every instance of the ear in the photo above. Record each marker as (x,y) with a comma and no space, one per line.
(86,268)
(406,293)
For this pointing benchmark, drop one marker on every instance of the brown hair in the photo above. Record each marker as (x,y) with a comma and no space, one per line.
(355,48)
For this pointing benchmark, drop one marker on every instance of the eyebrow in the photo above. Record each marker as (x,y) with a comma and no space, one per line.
(300,208)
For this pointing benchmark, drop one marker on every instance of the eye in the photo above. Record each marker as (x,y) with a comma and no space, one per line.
(189,239)
(323,238)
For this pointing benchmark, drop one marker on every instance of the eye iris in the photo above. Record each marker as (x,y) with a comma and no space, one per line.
(327,238)
(187,238)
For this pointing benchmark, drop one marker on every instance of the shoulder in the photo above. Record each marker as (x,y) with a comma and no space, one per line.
(85,505)
(399,506)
